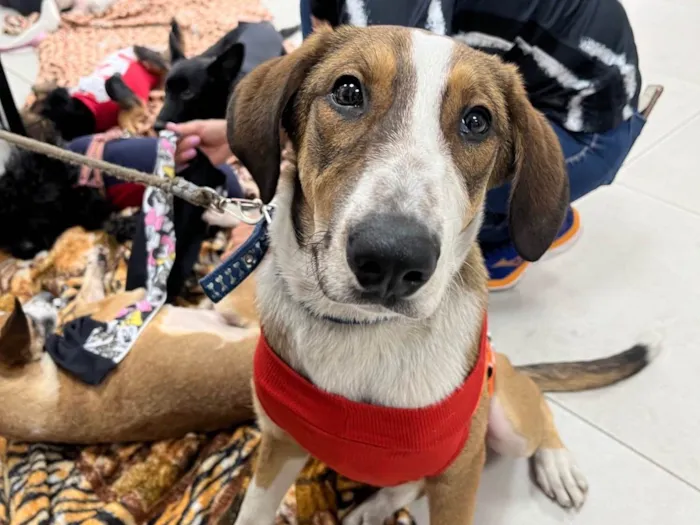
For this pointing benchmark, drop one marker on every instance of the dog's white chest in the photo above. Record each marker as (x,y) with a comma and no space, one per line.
(382,365)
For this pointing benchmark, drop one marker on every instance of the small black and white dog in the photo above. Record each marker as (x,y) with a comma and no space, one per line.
(199,87)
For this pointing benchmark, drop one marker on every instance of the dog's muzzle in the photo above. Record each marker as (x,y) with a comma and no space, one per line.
(392,256)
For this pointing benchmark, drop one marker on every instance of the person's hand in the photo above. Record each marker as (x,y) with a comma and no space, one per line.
(207,135)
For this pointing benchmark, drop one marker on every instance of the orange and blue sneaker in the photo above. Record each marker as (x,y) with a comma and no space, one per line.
(506,267)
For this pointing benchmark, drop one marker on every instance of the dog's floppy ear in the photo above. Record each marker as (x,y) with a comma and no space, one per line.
(228,63)
(15,338)
(539,195)
(256,108)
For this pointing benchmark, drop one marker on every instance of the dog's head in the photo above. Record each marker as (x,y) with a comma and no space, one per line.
(36,125)
(69,116)
(399,134)
(40,199)
(199,87)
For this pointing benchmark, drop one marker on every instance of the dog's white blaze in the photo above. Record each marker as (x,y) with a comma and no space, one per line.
(409,168)
(432,60)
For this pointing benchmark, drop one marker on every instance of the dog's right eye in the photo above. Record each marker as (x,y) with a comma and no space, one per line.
(347,92)
(187,94)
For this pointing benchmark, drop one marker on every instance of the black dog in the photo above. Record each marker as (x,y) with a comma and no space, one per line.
(199,87)
(39,200)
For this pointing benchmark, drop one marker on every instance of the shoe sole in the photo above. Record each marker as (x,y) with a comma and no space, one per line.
(501,285)
(558,247)
(566,241)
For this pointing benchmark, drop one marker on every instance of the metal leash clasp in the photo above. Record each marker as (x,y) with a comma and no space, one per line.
(249,211)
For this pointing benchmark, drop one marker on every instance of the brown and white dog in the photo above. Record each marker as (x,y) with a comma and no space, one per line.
(374,287)
(189,371)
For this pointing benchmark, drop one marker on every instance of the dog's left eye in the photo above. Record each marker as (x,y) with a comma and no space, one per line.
(347,92)
(187,94)
(475,123)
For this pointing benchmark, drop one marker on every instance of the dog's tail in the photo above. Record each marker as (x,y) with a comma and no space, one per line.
(288,32)
(598,373)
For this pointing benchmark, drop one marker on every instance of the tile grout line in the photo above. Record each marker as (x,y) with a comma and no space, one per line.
(663,139)
(623,444)
(670,204)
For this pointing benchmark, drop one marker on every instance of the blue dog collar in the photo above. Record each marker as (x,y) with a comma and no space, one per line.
(234,270)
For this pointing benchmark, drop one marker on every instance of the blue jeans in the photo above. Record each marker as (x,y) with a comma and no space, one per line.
(306,18)
(592,160)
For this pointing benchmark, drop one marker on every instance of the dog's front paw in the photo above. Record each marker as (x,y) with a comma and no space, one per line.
(365,515)
(383,504)
(559,477)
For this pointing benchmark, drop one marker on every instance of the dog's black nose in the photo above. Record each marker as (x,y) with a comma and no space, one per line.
(392,256)
(159,125)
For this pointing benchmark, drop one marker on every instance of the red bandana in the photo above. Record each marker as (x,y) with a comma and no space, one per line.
(377,445)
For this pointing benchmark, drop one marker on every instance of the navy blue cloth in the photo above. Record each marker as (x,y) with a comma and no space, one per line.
(68,352)
(23,7)
(306,27)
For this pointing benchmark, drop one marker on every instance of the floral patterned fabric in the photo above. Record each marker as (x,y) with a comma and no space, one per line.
(115,339)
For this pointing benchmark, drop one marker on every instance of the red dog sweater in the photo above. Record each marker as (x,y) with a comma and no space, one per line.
(377,445)
(91,90)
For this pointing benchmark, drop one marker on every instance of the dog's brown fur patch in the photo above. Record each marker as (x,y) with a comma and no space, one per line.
(169,384)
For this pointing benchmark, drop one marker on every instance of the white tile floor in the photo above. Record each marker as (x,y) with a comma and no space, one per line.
(635,269)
